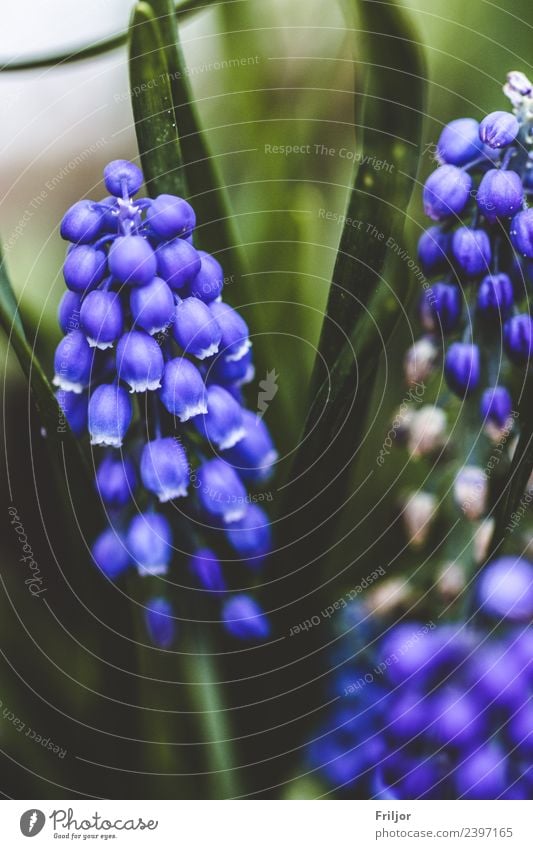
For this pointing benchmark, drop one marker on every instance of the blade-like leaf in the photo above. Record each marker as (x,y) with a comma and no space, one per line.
(151,99)
(206,192)
(519,472)
(41,388)
(361,311)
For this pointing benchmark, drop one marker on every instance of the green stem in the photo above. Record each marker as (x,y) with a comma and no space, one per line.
(106,45)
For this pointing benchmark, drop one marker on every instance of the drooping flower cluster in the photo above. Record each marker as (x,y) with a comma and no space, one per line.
(476,260)
(479,252)
(438,711)
(152,365)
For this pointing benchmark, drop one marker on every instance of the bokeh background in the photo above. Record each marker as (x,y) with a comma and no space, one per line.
(263,75)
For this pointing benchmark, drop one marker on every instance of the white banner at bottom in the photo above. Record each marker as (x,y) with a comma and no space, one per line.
(264,824)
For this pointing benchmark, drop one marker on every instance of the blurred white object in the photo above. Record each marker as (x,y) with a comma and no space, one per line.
(418,514)
(427,430)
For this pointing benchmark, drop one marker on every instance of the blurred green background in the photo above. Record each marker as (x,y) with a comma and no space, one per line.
(263,75)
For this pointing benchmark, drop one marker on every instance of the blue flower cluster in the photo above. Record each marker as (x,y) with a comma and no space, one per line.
(480,250)
(439,711)
(152,365)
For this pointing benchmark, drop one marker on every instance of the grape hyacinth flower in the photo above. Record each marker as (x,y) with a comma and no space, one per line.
(110,553)
(506,588)
(443,711)
(462,368)
(476,255)
(245,619)
(149,541)
(207,570)
(151,368)
(116,480)
(435,711)
(160,622)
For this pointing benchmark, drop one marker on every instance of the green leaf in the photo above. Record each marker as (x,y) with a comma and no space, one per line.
(41,387)
(362,312)
(519,473)
(152,106)
(65,451)
(205,190)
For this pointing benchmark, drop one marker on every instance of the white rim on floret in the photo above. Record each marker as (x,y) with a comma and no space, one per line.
(111,441)
(169,493)
(156,569)
(232,438)
(193,410)
(207,352)
(102,346)
(237,355)
(144,385)
(233,514)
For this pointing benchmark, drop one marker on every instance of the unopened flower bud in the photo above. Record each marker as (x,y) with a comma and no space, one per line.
(433,247)
(418,514)
(170,216)
(521,232)
(446,192)
(132,260)
(121,175)
(160,622)
(500,193)
(427,431)
(462,368)
(206,569)
(518,338)
(495,296)
(243,618)
(499,129)
(419,360)
(451,580)
(482,538)
(388,597)
(495,408)
(440,307)
(470,491)
(459,141)
(505,589)
(517,88)
(110,553)
(472,250)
